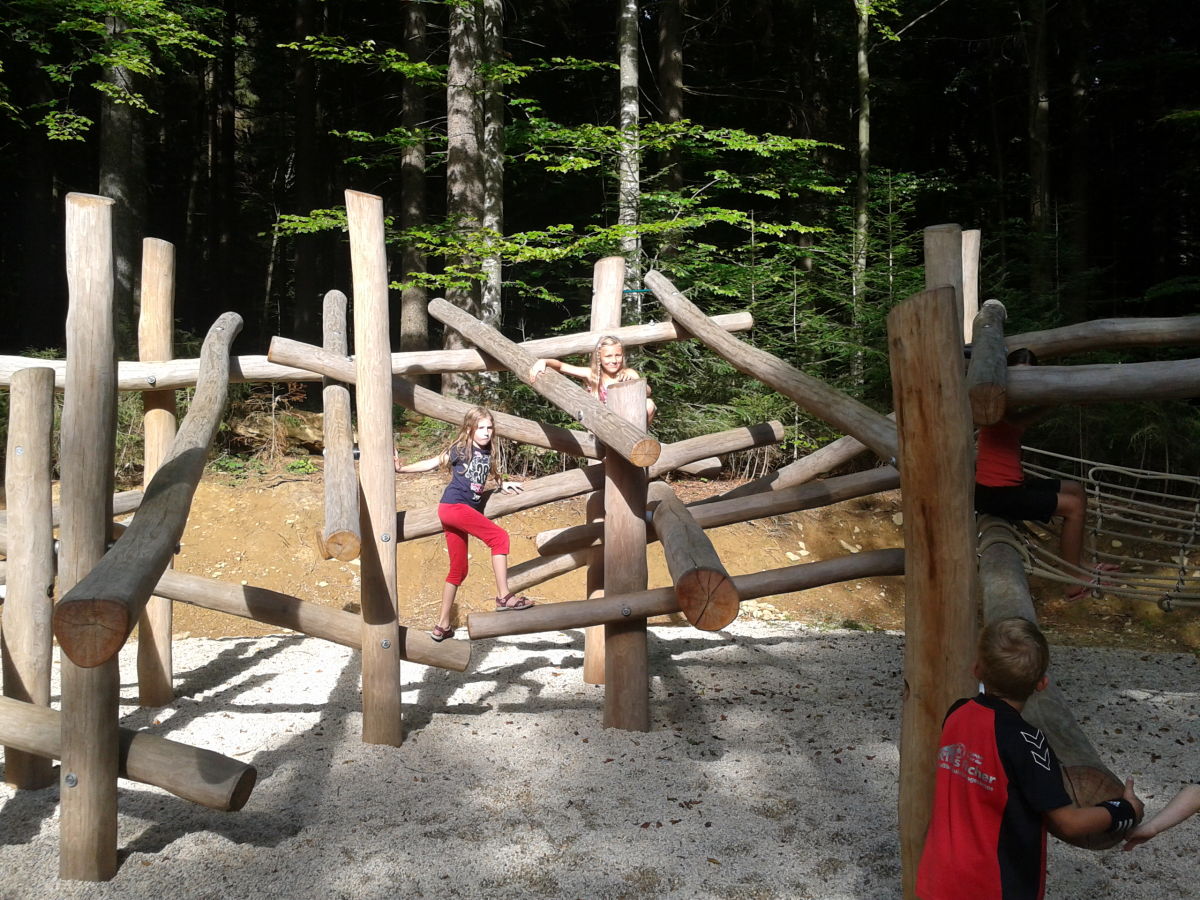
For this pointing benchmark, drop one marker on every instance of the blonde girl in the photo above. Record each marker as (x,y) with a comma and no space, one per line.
(607,368)
(471,463)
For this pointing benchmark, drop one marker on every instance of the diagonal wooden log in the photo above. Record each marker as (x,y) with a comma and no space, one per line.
(314,619)
(181,373)
(415,523)
(96,616)
(1049,385)
(618,435)
(541,569)
(428,403)
(703,588)
(987,374)
(843,412)
(122,502)
(1109,334)
(742,509)
(191,773)
(662,601)
(1005,590)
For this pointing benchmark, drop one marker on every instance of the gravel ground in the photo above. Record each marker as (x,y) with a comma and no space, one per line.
(770,772)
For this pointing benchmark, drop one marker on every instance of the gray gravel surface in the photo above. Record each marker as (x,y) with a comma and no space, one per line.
(770,771)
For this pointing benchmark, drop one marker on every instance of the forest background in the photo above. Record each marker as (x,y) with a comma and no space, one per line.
(780,156)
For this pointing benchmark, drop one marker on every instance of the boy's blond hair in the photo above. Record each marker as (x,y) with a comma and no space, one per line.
(1013,657)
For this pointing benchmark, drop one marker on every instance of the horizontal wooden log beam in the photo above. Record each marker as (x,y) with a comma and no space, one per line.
(703,588)
(191,773)
(303,616)
(123,502)
(811,394)
(1109,334)
(1049,385)
(662,601)
(436,362)
(417,523)
(618,435)
(96,616)
(434,405)
(742,509)
(175,374)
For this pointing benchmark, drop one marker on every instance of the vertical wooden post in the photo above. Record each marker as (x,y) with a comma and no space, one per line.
(627,678)
(944,262)
(88,775)
(155,343)
(936,471)
(26,642)
(970,282)
(608,285)
(377,503)
(340,537)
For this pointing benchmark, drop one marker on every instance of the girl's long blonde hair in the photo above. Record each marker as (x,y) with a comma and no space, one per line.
(607,341)
(464,440)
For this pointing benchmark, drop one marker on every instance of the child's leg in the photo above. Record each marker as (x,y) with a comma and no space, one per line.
(449,592)
(456,548)
(477,524)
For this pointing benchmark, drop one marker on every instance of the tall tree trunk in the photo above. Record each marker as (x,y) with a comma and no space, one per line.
(1041,237)
(862,187)
(414,318)
(629,154)
(307,291)
(223,202)
(1078,282)
(464,169)
(493,157)
(670,81)
(123,179)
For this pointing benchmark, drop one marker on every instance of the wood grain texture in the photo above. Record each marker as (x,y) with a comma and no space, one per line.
(26,640)
(381,680)
(937,472)
(340,538)
(156,327)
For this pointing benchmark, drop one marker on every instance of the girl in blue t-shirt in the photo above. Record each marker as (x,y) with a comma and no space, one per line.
(471,463)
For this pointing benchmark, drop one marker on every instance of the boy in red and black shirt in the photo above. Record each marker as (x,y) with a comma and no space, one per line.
(999,784)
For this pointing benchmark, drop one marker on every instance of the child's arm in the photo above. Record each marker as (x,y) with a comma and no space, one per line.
(581,372)
(1185,803)
(1070,822)
(425,465)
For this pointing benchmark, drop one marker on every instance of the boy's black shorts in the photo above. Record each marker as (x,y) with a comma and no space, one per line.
(1034,500)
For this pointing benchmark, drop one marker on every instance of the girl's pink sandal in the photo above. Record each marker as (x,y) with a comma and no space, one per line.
(511,602)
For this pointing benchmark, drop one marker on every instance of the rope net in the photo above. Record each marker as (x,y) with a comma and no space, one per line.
(1153,514)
